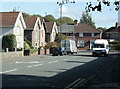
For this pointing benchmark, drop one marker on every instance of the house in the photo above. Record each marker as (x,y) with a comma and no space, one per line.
(113,33)
(13,23)
(52,30)
(83,34)
(34,32)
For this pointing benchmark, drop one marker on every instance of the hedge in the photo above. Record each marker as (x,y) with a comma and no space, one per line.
(9,41)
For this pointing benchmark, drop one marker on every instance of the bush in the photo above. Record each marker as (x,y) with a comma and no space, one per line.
(9,41)
(115,45)
(33,51)
(52,44)
(26,46)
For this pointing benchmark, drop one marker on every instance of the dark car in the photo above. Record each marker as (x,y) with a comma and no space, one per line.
(58,51)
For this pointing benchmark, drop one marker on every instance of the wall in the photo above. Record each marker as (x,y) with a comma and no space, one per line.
(11,54)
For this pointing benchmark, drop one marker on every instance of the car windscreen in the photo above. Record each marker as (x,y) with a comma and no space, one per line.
(99,46)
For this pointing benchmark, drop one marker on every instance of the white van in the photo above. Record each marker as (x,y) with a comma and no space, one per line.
(101,47)
(69,45)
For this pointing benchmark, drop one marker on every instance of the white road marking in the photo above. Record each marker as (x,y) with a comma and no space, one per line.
(53,61)
(34,65)
(8,71)
(28,62)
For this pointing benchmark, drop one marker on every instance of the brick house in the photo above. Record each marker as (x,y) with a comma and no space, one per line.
(35,31)
(113,33)
(51,31)
(83,34)
(12,23)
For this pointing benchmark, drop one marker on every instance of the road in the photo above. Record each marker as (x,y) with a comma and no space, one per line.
(51,72)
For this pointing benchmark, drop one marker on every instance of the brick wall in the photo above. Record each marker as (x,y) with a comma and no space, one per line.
(86,40)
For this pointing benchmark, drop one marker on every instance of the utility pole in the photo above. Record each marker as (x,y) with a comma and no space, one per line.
(60,4)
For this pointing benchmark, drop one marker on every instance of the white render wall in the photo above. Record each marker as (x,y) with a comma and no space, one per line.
(19,32)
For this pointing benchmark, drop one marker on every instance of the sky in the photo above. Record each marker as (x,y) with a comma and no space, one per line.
(107,18)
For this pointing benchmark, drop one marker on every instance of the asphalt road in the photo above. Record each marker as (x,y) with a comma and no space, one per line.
(50,72)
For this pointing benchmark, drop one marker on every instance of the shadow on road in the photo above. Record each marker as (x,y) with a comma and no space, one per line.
(58,81)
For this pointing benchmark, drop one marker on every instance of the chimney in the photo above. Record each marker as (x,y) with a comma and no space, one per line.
(75,22)
(117,24)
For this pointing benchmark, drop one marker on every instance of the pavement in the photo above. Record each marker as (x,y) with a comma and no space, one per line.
(21,58)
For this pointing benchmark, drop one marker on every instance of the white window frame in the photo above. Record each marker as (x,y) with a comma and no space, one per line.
(81,43)
(93,35)
(80,34)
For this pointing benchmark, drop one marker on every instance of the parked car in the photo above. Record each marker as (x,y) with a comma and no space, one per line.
(58,51)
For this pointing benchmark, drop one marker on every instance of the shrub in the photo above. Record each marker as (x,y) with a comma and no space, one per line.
(26,46)
(9,41)
(115,45)
(52,44)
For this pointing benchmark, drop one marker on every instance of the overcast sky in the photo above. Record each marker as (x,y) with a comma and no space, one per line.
(107,18)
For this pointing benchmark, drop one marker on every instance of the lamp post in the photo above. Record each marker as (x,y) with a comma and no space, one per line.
(60,4)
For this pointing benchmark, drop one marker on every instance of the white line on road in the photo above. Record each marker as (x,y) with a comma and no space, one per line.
(34,65)
(53,61)
(8,71)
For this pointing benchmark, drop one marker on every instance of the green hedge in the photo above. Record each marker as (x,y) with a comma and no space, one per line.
(9,41)
(115,45)
(33,51)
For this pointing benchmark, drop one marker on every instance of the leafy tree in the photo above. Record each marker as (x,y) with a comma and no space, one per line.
(49,18)
(101,29)
(26,15)
(60,37)
(64,20)
(87,19)
(89,6)
(9,41)
(36,15)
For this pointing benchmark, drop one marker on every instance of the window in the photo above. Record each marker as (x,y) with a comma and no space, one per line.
(92,34)
(80,43)
(80,34)
(87,34)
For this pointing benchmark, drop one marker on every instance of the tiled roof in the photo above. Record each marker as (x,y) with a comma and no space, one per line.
(30,22)
(8,18)
(85,28)
(49,26)
(67,28)
(113,30)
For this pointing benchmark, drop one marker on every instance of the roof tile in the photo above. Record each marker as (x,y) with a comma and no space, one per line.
(8,18)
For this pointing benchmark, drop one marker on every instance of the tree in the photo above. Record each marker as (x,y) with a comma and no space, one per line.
(26,15)
(89,6)
(49,18)
(101,29)
(9,41)
(64,20)
(60,37)
(36,15)
(87,19)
